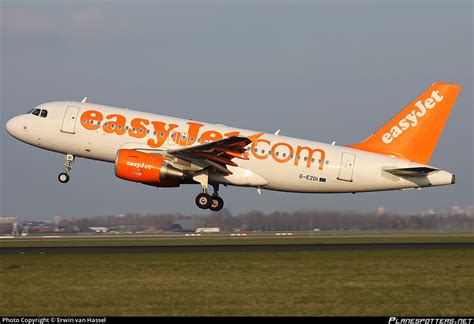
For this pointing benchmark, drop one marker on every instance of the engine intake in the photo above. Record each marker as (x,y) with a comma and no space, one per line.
(146,168)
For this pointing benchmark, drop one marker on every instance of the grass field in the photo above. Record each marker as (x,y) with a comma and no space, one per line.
(382,282)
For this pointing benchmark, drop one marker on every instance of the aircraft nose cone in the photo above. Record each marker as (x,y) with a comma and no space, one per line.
(12,126)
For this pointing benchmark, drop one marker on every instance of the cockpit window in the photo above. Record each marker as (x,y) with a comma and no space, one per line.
(30,111)
(39,112)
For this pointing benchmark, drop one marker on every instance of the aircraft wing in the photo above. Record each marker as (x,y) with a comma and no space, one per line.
(217,154)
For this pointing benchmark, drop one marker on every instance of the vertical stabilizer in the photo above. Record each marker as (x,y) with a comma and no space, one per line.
(414,132)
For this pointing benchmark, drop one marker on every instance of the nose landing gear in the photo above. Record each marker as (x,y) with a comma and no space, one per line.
(64,177)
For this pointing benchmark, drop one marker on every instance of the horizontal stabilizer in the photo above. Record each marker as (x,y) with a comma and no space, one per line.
(412,172)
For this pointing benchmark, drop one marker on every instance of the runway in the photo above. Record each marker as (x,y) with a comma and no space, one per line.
(233,248)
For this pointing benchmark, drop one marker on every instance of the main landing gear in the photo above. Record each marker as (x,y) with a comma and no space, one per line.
(64,177)
(204,200)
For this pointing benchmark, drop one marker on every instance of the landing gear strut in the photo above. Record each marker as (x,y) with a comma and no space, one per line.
(204,200)
(64,177)
(217,202)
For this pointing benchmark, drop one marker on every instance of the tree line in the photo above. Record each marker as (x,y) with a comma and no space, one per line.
(277,221)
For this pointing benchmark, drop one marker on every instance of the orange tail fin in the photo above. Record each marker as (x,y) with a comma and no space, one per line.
(413,133)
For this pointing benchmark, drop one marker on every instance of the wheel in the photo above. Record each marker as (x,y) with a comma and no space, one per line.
(216,203)
(63,177)
(203,201)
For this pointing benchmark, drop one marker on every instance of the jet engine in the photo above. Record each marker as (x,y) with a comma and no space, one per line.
(146,168)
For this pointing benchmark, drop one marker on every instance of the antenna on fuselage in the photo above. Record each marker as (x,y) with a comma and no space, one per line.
(277,132)
(84,100)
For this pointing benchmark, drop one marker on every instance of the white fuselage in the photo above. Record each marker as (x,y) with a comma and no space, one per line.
(293,164)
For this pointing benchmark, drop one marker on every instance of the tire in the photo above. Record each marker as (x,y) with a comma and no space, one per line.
(203,201)
(217,203)
(63,177)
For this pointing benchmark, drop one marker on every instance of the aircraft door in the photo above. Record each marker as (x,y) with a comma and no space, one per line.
(346,169)
(69,120)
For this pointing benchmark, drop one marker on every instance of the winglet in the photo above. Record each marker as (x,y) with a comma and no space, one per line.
(254,137)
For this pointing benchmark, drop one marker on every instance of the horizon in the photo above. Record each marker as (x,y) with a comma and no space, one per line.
(454,210)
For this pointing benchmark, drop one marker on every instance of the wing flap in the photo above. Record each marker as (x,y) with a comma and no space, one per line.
(217,154)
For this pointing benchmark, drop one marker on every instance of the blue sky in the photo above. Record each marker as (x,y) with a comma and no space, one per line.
(321,70)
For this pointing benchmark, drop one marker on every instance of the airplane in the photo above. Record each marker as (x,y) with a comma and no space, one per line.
(163,151)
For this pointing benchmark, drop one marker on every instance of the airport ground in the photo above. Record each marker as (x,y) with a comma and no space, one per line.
(419,281)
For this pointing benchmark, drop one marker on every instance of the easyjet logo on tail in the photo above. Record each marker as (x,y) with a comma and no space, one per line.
(412,118)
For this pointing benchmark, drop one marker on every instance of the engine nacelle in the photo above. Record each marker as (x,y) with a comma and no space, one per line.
(146,168)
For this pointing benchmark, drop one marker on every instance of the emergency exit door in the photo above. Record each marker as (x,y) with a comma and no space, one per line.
(69,120)
(346,169)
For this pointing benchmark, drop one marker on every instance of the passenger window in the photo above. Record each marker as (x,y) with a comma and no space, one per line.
(36,112)
(44,113)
